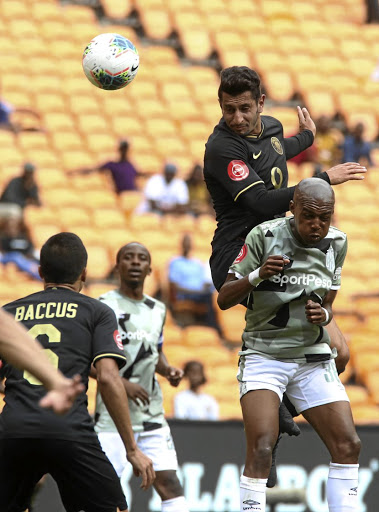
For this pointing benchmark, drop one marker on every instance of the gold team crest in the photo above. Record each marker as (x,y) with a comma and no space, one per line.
(276,145)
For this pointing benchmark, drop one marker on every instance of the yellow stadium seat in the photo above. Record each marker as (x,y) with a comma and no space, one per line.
(46,11)
(62,141)
(322,101)
(117,238)
(196,43)
(99,263)
(74,216)
(366,414)
(372,383)
(94,290)
(34,215)
(129,200)
(117,9)
(41,232)
(50,102)
(109,218)
(197,335)
(279,85)
(232,321)
(22,28)
(156,23)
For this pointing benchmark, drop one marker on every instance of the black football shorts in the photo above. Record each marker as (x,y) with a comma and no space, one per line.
(85,477)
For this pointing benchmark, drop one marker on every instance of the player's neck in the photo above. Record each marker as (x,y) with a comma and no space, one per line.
(72,287)
(134,293)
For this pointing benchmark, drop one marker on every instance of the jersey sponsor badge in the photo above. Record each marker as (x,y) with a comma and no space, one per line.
(241,254)
(117,339)
(238,170)
(276,145)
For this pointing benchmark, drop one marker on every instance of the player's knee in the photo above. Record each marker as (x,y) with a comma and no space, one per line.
(167,485)
(260,456)
(347,449)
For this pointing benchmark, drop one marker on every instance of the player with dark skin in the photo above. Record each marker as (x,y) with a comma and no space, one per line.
(246,174)
(133,267)
(312,209)
(74,341)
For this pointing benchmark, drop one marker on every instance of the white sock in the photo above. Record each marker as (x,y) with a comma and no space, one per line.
(252,494)
(341,487)
(178,504)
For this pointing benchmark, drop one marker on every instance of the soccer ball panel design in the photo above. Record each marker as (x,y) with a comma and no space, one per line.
(110,61)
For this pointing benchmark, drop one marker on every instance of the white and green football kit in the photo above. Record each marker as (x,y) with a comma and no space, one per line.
(141,329)
(276,324)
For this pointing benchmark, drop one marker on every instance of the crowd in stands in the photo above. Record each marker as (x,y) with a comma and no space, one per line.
(172,189)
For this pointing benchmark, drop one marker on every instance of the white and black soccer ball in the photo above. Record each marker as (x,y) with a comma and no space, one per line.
(110,61)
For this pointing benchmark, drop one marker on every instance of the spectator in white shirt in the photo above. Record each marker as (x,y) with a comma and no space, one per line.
(165,193)
(192,404)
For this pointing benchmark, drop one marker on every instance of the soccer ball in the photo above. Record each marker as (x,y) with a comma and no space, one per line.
(110,61)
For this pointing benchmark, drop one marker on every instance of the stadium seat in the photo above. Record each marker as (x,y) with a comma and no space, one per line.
(156,23)
(99,262)
(72,217)
(94,290)
(279,85)
(117,9)
(109,218)
(41,232)
(196,43)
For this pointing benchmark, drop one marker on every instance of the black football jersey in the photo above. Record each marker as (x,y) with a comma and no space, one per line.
(239,169)
(75,331)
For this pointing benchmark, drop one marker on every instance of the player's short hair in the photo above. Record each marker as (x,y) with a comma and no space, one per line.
(238,79)
(122,249)
(63,258)
(190,364)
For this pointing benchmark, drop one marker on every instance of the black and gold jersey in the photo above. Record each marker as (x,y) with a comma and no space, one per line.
(75,331)
(247,178)
(238,170)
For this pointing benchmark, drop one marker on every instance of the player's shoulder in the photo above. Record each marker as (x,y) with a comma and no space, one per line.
(154,303)
(271,226)
(221,137)
(271,122)
(337,234)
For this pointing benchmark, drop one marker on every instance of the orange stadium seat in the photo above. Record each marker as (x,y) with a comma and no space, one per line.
(73,216)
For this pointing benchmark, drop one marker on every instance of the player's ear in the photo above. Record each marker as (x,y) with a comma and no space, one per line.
(40,272)
(261,103)
(149,271)
(292,207)
(83,275)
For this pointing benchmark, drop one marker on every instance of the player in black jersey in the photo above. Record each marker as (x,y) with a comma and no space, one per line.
(246,173)
(76,331)
(21,350)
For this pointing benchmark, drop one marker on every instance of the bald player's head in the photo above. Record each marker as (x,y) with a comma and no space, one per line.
(314,188)
(312,208)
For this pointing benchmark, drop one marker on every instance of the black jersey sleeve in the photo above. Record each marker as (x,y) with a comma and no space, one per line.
(106,338)
(266,203)
(226,160)
(298,143)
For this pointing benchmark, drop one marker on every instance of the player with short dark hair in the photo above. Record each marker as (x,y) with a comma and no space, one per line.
(141,320)
(75,331)
(246,173)
(289,270)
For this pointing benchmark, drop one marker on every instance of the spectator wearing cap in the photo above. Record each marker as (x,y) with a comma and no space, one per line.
(122,171)
(165,193)
(22,190)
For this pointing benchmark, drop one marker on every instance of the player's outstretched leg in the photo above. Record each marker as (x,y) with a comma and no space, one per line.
(286,413)
(287,426)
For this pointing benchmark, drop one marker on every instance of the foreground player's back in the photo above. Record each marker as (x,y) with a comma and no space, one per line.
(75,330)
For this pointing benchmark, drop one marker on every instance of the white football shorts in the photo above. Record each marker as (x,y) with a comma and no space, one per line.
(306,384)
(157,444)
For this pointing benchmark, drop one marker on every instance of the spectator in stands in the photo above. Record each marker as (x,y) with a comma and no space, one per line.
(16,247)
(355,148)
(191,290)
(199,198)
(165,193)
(123,172)
(7,115)
(22,190)
(327,144)
(193,404)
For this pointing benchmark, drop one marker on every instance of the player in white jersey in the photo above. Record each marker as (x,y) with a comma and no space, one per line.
(289,270)
(141,319)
